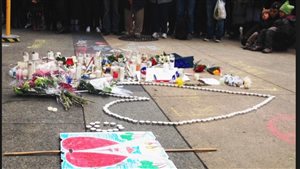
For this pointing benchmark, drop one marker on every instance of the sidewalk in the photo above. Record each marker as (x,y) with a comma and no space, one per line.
(261,139)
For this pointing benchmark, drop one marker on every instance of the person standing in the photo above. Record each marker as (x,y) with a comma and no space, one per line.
(62,17)
(215,28)
(160,11)
(134,12)
(111,17)
(92,14)
(75,7)
(186,7)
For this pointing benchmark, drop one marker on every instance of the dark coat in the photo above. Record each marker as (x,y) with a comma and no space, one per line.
(285,35)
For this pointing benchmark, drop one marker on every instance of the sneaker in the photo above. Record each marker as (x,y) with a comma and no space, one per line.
(98,29)
(155,35)
(267,50)
(256,48)
(206,39)
(88,29)
(217,40)
(164,36)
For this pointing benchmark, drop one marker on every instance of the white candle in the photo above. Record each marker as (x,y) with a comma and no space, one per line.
(50,55)
(78,72)
(30,70)
(25,73)
(80,60)
(172,61)
(26,57)
(122,74)
(35,56)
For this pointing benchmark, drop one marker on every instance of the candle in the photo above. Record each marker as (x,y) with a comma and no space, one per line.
(80,60)
(78,72)
(25,73)
(26,57)
(35,56)
(115,72)
(50,55)
(121,74)
(171,61)
(30,70)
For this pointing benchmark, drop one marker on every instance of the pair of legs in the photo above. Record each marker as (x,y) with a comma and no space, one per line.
(92,14)
(264,40)
(190,6)
(160,15)
(215,28)
(137,17)
(111,16)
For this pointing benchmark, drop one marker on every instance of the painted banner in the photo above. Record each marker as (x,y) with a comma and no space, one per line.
(113,150)
(89,43)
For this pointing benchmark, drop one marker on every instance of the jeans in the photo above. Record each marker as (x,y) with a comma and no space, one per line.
(111,16)
(214,27)
(181,6)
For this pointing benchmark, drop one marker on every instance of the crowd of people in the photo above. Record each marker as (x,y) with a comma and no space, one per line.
(273,20)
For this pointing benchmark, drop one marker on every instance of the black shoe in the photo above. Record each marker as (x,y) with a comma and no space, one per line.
(267,50)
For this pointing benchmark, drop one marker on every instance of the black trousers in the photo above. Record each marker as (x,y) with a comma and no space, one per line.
(160,14)
(92,12)
(62,12)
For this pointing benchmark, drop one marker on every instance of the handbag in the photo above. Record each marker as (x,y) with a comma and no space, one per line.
(220,11)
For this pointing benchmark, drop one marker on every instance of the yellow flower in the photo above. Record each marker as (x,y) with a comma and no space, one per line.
(179,82)
(216,72)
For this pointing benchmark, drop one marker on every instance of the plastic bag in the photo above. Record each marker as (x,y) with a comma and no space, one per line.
(220,11)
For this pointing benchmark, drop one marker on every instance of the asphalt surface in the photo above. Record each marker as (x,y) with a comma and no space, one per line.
(262,139)
(27,125)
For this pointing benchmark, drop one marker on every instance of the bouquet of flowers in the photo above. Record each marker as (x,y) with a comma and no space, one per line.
(160,59)
(47,85)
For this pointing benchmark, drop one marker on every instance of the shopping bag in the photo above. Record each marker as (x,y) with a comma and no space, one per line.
(220,11)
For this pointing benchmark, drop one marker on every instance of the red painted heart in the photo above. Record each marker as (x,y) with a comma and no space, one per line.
(90,159)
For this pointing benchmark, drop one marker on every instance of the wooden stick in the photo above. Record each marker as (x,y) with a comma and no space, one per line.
(192,150)
(31,153)
(50,152)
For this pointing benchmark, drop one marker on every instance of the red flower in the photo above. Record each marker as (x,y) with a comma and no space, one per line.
(154,62)
(199,68)
(66,86)
(69,62)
